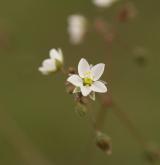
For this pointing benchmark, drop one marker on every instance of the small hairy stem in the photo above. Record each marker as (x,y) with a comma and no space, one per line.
(100,119)
(152,153)
(63,71)
(24,148)
(91,117)
(103,29)
(128,123)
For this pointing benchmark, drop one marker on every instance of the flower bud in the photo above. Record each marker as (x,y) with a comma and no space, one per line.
(127,13)
(72,70)
(69,88)
(103,142)
(140,56)
(152,154)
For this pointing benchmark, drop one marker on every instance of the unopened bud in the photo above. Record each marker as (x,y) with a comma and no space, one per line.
(69,88)
(71,70)
(79,98)
(103,142)
(140,56)
(152,153)
(127,12)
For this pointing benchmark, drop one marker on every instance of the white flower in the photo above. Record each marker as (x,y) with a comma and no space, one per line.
(88,77)
(104,3)
(53,63)
(76,28)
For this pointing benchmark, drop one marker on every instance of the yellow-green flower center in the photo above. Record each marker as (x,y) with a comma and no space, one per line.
(87,81)
(58,64)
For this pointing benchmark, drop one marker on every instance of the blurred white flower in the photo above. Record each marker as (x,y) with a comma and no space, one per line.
(104,3)
(53,63)
(87,80)
(77,27)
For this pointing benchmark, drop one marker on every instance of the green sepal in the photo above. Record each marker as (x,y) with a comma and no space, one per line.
(92,96)
(77,90)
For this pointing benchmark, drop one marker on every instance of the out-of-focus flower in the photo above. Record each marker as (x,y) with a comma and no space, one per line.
(87,80)
(127,12)
(53,63)
(140,56)
(104,3)
(77,27)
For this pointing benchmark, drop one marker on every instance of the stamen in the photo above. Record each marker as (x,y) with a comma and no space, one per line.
(87,81)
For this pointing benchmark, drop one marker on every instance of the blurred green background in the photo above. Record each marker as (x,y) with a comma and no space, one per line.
(37,118)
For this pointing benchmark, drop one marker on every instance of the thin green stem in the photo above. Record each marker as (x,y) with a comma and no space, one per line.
(128,123)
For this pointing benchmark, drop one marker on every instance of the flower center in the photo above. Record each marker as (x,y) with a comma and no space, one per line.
(58,64)
(87,81)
